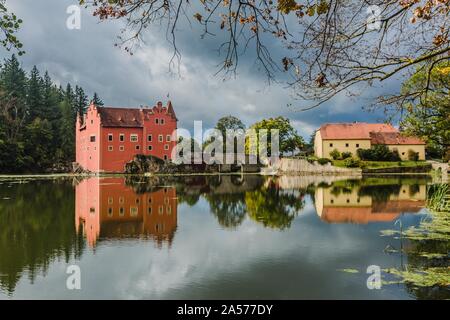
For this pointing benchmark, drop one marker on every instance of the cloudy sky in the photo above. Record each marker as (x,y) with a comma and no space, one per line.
(87,57)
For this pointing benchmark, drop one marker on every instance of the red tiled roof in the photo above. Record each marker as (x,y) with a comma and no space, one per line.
(393,138)
(358,215)
(131,117)
(358,130)
(120,117)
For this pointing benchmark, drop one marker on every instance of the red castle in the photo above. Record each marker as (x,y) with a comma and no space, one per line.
(107,138)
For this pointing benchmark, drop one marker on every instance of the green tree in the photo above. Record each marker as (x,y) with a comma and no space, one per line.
(96,100)
(80,102)
(428,111)
(34,96)
(37,120)
(229,123)
(13,78)
(289,139)
(67,130)
(38,143)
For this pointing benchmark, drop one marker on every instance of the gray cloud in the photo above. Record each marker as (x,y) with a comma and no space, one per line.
(87,57)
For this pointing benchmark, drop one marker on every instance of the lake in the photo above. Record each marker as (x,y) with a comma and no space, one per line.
(207,237)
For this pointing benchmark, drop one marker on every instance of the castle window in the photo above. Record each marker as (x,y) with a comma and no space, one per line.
(149,210)
(110,212)
(121,148)
(165,157)
(92,121)
(156,121)
(331,144)
(169,210)
(357,145)
(121,137)
(110,137)
(168,138)
(121,200)
(166,147)
(346,144)
(137,147)
(133,211)
(133,137)
(162,121)
(150,148)
(160,138)
(149,138)
(121,211)
(92,139)
(110,200)
(160,209)
(110,148)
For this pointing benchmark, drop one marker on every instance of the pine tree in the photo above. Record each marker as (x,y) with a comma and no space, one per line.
(13,78)
(81,101)
(34,97)
(96,100)
(67,130)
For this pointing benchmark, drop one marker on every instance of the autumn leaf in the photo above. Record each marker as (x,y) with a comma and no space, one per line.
(198,16)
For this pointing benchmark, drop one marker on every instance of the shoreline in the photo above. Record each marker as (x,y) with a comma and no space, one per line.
(108,175)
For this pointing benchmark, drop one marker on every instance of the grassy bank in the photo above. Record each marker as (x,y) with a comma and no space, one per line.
(382,164)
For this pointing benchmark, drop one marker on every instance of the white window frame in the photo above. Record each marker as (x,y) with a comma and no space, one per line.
(134,135)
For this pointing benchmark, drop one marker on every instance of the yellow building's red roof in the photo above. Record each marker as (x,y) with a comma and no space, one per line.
(358,130)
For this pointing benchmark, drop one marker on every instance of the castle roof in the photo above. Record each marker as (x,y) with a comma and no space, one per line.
(132,117)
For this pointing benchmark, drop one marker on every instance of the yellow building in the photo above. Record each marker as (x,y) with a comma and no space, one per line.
(349,137)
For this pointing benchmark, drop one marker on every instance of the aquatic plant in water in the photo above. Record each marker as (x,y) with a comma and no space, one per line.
(428,255)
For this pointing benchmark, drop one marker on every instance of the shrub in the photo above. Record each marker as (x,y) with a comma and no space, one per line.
(396,155)
(352,163)
(346,155)
(335,154)
(378,152)
(311,159)
(412,155)
(323,161)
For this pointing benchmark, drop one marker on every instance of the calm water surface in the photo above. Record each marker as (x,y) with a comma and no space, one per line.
(206,237)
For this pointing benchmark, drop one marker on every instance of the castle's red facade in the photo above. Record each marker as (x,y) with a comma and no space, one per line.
(107,138)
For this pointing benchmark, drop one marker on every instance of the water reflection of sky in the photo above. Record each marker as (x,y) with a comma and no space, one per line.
(206,260)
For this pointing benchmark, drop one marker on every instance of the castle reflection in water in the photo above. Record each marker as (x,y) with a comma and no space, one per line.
(110,209)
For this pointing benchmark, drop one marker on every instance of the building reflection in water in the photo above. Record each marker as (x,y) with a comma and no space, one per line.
(110,209)
(363,204)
